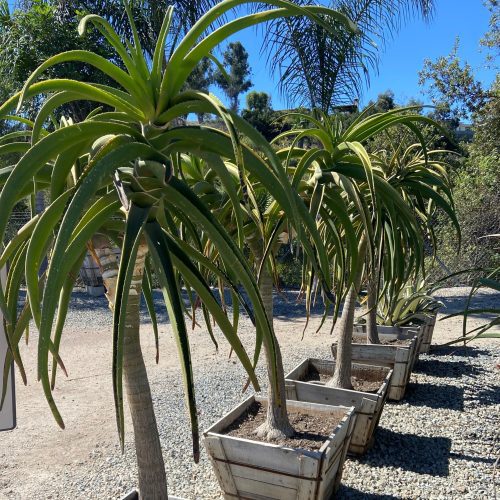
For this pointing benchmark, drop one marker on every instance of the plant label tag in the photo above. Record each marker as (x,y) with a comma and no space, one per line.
(8,411)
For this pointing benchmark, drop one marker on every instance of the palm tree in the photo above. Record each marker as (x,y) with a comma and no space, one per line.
(115,179)
(319,70)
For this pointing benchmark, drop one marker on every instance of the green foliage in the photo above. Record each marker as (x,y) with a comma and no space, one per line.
(453,83)
(413,304)
(477,202)
(29,37)
(491,39)
(236,79)
(118,175)
(475,178)
(261,115)
(320,69)
(488,280)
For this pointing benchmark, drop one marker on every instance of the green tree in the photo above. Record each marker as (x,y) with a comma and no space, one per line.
(320,70)
(148,16)
(260,114)
(200,79)
(31,35)
(236,79)
(453,83)
(117,177)
(458,94)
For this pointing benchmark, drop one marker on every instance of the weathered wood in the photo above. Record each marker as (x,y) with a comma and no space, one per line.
(368,406)
(400,358)
(269,471)
(390,333)
(427,334)
(216,449)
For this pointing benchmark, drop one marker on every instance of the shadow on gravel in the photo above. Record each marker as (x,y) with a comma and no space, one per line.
(457,350)
(348,492)
(470,458)
(447,369)
(420,454)
(484,395)
(457,303)
(435,396)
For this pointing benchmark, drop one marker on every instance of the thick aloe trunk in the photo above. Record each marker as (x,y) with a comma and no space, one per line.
(150,464)
(371,317)
(277,424)
(342,375)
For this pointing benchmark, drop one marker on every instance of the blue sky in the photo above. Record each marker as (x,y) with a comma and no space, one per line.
(404,55)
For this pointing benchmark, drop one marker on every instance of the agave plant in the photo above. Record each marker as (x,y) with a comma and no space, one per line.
(387,233)
(413,304)
(116,179)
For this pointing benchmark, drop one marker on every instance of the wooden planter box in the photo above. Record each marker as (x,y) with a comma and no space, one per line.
(250,469)
(428,331)
(388,333)
(399,358)
(368,406)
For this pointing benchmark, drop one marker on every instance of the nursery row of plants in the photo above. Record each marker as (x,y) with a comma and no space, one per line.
(147,195)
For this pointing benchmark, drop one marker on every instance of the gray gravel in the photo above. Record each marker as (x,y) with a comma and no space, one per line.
(440,442)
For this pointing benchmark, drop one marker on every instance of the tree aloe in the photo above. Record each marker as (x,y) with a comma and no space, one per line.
(386,229)
(116,178)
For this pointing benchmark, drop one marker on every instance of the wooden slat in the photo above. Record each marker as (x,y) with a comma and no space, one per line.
(250,488)
(308,467)
(321,394)
(265,477)
(300,370)
(215,450)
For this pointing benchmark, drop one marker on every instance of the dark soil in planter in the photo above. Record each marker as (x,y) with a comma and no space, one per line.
(361,380)
(362,340)
(402,342)
(311,431)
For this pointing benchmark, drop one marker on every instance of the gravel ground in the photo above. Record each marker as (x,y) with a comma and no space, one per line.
(440,442)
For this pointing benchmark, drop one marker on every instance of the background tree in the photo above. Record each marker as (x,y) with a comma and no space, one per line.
(30,35)
(459,95)
(200,79)
(319,70)
(260,114)
(237,79)
(451,83)
(148,16)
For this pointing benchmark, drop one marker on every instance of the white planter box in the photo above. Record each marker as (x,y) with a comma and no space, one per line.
(256,470)
(368,406)
(400,358)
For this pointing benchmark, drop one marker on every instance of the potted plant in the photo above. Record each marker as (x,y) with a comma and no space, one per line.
(399,313)
(344,185)
(117,178)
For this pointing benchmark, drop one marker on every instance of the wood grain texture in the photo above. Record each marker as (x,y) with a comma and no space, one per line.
(258,470)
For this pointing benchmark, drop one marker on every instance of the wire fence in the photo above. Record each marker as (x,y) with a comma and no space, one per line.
(90,274)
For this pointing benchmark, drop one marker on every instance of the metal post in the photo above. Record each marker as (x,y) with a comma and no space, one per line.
(8,410)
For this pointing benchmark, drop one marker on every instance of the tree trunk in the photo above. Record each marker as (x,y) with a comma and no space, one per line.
(150,464)
(342,375)
(277,425)
(371,317)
